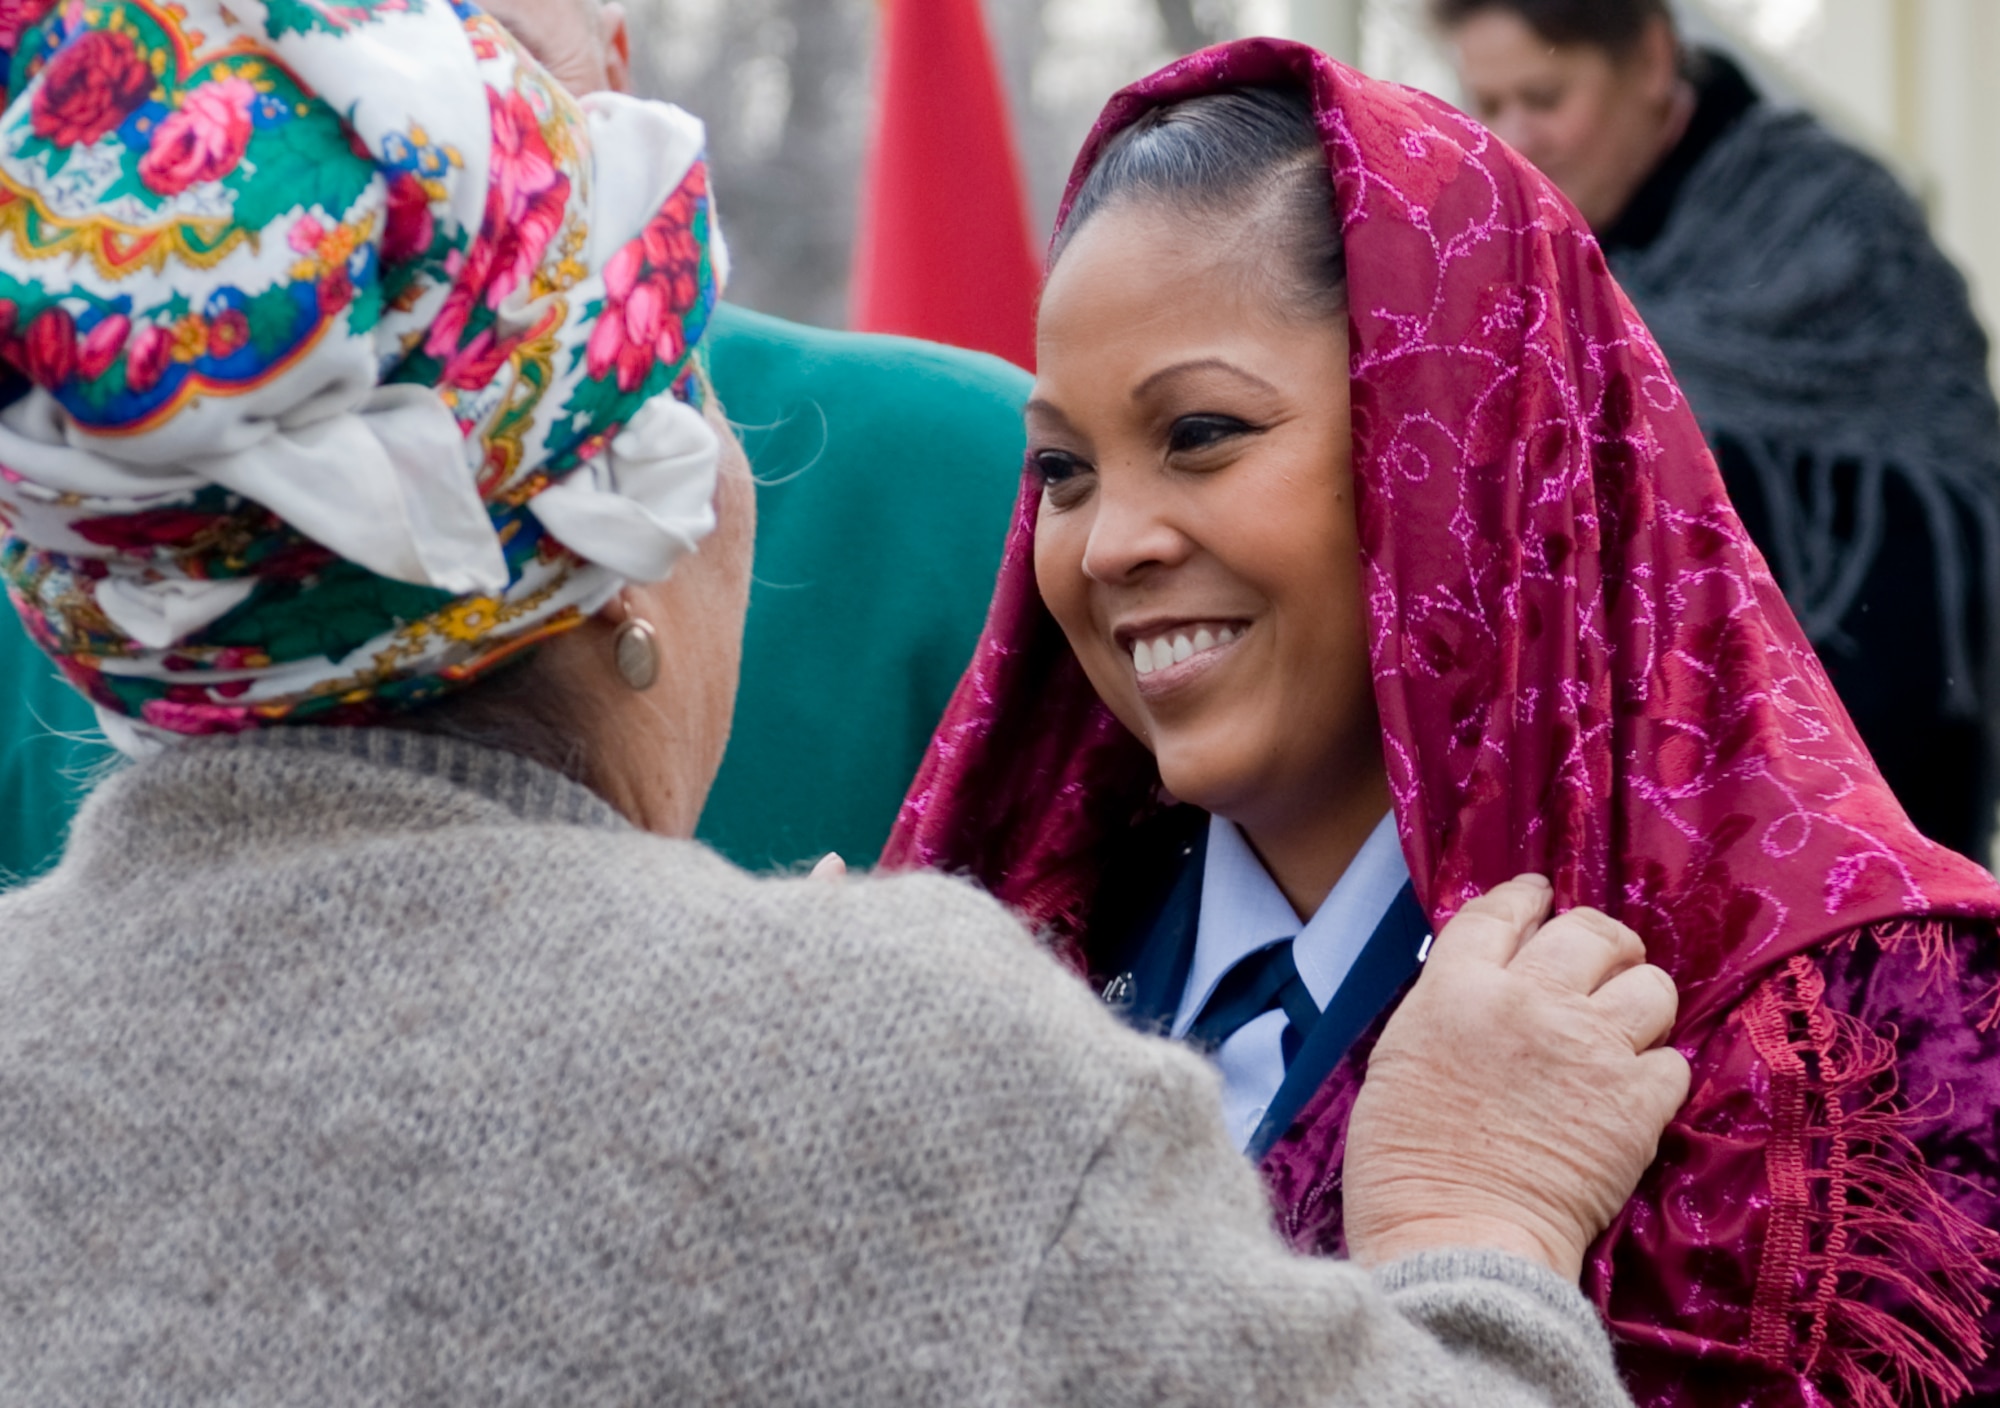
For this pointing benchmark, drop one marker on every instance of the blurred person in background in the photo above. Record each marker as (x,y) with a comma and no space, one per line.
(1829,349)
(1369,555)
(887,469)
(381,1036)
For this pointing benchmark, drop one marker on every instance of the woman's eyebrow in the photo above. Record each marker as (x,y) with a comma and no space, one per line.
(1046,410)
(1200,364)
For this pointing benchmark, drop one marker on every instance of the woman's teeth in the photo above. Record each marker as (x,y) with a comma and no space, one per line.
(1151,655)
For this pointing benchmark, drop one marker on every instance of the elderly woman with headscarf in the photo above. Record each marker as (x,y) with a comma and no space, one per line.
(851,436)
(375,1040)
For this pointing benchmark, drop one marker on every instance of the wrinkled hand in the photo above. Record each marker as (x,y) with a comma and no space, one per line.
(1520,1090)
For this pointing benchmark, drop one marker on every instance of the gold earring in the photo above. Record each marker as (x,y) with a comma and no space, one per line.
(636,647)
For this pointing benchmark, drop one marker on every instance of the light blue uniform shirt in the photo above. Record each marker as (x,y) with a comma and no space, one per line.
(1243,910)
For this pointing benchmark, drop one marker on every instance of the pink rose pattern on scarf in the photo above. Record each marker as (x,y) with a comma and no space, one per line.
(645,282)
(201,140)
(89,88)
(525,199)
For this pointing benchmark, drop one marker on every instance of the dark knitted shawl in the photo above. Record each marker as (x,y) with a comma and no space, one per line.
(1813,323)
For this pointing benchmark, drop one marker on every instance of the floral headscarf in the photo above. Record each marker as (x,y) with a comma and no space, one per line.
(1583,668)
(358,355)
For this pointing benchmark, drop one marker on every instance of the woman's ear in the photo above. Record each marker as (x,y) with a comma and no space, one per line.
(1656,60)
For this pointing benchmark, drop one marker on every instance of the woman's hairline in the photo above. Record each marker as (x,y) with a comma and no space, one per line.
(1258,204)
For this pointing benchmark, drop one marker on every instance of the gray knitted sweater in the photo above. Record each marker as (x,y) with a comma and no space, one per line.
(356,1067)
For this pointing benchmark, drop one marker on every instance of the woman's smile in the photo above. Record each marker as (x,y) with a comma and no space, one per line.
(1169,655)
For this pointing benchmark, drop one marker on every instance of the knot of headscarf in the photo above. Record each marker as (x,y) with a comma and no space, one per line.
(358,355)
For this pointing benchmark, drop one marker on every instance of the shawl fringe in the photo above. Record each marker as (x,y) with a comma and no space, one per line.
(1855,1205)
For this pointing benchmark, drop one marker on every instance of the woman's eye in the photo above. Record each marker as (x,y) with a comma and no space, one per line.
(1193,433)
(1055,466)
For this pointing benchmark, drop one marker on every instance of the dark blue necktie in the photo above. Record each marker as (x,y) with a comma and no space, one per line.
(1260,982)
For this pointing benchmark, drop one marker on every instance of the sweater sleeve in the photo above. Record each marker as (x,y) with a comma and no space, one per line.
(1167,1285)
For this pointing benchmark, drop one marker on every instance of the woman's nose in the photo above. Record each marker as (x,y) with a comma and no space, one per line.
(1512,128)
(1131,532)
(1527,134)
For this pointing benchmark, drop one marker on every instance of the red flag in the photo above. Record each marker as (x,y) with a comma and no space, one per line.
(945,250)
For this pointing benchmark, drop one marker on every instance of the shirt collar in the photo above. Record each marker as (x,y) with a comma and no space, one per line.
(1243,910)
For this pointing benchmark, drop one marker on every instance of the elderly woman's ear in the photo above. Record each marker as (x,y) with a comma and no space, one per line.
(657,665)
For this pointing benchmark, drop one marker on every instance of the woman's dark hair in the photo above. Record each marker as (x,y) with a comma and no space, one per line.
(1614,26)
(1245,155)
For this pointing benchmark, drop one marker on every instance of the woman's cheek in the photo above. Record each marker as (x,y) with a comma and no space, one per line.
(1058,567)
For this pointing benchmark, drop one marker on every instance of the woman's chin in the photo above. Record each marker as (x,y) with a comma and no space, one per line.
(1200,778)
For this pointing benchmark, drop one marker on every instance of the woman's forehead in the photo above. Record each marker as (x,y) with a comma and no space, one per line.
(1147,266)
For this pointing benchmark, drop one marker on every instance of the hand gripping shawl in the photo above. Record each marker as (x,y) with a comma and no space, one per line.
(357,354)
(1583,668)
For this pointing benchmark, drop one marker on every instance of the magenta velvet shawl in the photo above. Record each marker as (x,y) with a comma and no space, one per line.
(1583,668)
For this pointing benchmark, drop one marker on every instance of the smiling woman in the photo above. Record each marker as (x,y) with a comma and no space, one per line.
(1195,458)
(1369,555)
(1197,539)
